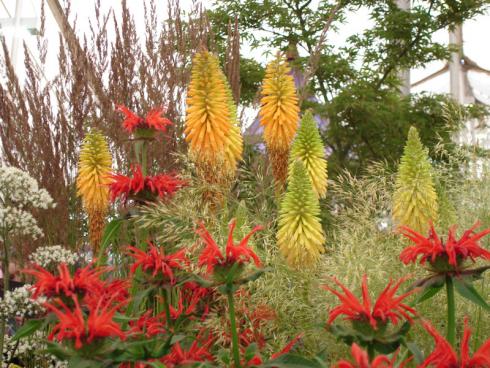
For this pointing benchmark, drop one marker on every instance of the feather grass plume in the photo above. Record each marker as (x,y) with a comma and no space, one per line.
(415,198)
(279,115)
(208,119)
(233,149)
(300,236)
(308,148)
(93,172)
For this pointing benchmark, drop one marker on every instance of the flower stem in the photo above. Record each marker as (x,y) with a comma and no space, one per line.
(166,305)
(371,352)
(234,332)
(6,286)
(144,157)
(451,311)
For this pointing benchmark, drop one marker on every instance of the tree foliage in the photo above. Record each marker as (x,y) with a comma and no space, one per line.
(356,86)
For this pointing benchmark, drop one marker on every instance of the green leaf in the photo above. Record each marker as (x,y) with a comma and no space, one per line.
(467,290)
(58,350)
(428,293)
(416,352)
(250,352)
(110,232)
(254,275)
(342,333)
(77,362)
(29,328)
(156,364)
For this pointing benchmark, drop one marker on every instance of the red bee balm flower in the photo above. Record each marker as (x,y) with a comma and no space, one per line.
(100,321)
(257,360)
(180,357)
(452,253)
(154,120)
(162,185)
(148,324)
(444,356)
(71,324)
(49,285)
(157,262)
(241,253)
(387,307)
(361,360)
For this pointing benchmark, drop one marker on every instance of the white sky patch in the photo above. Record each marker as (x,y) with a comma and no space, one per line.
(475,33)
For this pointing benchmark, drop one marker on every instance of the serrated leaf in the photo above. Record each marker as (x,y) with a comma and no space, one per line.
(467,290)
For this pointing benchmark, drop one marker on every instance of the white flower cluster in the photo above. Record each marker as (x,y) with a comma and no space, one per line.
(19,303)
(52,256)
(19,189)
(30,349)
(19,192)
(19,222)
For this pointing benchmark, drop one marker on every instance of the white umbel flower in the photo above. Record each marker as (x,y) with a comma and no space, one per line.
(51,256)
(19,192)
(19,303)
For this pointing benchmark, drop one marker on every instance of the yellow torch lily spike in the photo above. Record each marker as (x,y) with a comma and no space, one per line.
(94,168)
(208,118)
(415,198)
(300,237)
(279,115)
(308,148)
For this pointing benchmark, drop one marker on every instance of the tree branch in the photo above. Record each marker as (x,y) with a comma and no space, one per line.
(314,60)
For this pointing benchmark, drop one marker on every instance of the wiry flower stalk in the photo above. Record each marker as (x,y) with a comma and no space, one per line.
(300,236)
(279,115)
(415,199)
(92,183)
(308,148)
(234,141)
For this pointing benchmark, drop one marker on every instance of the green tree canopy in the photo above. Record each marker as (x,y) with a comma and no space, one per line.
(356,85)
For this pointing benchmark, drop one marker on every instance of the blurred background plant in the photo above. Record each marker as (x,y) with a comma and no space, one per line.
(368,124)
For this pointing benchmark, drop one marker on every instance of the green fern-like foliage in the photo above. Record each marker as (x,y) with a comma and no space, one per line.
(308,148)
(415,197)
(300,237)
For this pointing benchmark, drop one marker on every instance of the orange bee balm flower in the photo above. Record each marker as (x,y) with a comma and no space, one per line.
(387,307)
(361,360)
(444,356)
(71,323)
(147,187)
(444,255)
(212,257)
(155,261)
(153,121)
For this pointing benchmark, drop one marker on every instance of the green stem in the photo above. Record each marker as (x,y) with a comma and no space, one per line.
(144,157)
(6,286)
(476,336)
(451,311)
(234,332)
(166,305)
(371,352)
